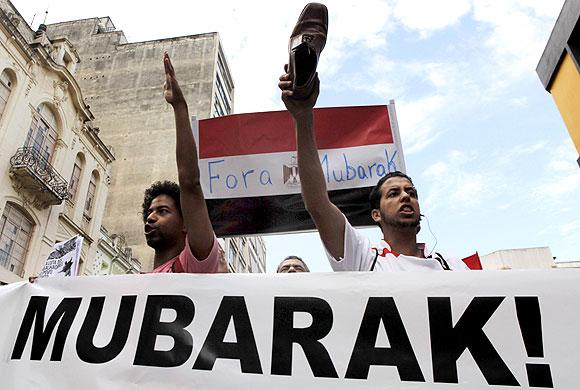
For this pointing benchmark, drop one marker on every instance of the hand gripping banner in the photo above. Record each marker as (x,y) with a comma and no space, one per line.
(249,168)
(419,331)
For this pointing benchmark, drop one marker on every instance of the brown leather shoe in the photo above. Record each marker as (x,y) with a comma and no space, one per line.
(306,42)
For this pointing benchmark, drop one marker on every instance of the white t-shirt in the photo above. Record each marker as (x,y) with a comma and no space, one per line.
(359,255)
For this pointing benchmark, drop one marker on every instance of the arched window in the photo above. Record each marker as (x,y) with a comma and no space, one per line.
(75,177)
(15,233)
(6,84)
(42,134)
(89,203)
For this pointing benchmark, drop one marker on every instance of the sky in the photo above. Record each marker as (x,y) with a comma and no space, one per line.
(483,141)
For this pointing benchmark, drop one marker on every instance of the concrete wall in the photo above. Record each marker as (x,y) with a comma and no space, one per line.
(568,264)
(122,83)
(526,258)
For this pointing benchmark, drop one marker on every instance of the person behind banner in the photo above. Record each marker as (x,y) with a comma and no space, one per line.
(292,264)
(177,224)
(394,204)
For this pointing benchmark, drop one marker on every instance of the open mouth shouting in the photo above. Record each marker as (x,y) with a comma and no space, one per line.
(407,209)
(149,229)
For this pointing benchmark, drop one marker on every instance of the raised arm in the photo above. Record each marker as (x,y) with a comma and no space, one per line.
(328,219)
(195,216)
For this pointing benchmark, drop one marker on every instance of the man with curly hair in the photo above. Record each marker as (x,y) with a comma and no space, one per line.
(177,224)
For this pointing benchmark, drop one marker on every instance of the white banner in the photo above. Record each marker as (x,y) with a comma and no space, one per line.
(444,330)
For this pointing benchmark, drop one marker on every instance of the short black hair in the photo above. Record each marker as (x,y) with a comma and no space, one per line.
(375,195)
(292,257)
(166,187)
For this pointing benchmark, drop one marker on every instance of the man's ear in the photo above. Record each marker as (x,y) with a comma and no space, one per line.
(376,215)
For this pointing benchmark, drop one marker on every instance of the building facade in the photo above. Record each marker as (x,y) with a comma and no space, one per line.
(54,167)
(524,258)
(559,68)
(123,82)
(245,254)
(113,256)
(568,264)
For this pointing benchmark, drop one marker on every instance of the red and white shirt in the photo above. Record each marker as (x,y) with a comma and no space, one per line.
(359,255)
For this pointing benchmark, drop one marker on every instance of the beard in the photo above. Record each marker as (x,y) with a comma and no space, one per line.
(153,241)
(404,224)
(157,240)
(163,238)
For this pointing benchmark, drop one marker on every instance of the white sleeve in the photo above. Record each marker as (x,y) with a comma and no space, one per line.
(457,265)
(358,255)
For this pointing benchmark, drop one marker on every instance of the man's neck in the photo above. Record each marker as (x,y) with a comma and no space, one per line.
(163,255)
(403,241)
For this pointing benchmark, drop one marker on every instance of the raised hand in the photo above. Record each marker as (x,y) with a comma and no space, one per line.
(328,219)
(171,90)
(297,108)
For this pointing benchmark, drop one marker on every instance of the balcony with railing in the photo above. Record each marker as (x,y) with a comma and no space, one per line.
(32,173)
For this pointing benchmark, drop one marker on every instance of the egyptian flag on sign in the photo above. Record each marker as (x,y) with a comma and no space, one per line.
(249,169)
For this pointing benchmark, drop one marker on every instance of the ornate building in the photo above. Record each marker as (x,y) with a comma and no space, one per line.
(113,256)
(54,167)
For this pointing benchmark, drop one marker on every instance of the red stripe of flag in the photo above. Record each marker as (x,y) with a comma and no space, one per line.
(473,261)
(271,132)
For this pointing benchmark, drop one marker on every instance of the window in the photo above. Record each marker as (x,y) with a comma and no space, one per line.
(42,133)
(89,203)
(232,252)
(223,87)
(5,90)
(240,262)
(75,178)
(225,99)
(15,233)
(217,108)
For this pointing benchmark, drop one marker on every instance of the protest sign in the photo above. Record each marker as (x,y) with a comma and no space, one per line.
(249,170)
(420,331)
(64,259)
